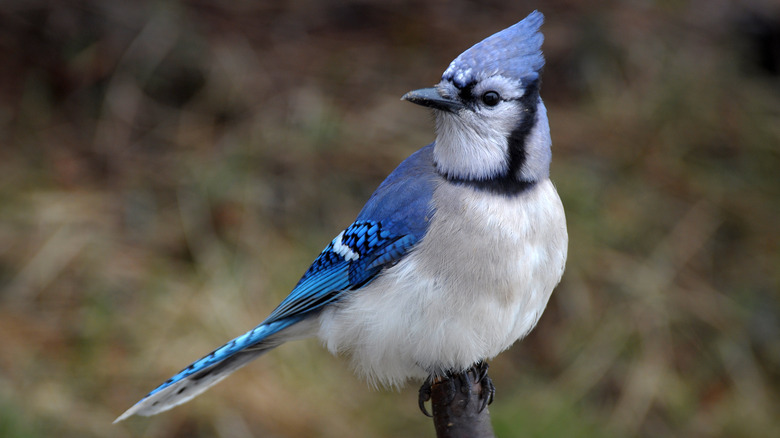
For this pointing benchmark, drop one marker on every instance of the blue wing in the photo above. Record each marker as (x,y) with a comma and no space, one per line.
(350,261)
(393,220)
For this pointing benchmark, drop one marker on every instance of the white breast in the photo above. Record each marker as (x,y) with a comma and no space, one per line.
(477,282)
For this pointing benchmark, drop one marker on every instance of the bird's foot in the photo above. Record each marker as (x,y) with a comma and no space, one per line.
(478,373)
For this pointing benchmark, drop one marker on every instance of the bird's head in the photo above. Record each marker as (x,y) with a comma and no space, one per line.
(491,124)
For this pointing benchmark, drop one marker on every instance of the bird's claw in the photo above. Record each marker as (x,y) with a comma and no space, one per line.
(488,388)
(425,395)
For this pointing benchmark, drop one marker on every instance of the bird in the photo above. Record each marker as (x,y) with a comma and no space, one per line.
(452,259)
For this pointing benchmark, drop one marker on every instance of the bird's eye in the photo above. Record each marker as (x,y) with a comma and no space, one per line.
(491,98)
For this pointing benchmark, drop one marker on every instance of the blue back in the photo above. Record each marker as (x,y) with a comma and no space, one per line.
(403,200)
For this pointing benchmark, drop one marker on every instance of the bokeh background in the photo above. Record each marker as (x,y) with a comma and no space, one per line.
(168,170)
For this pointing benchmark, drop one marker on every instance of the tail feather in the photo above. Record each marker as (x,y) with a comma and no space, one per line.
(189,387)
(220,363)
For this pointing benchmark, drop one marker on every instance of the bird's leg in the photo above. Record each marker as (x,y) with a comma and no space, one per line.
(479,371)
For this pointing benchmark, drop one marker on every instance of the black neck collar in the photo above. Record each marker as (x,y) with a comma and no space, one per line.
(505,185)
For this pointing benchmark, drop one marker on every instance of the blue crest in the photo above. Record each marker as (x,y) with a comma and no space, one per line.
(515,53)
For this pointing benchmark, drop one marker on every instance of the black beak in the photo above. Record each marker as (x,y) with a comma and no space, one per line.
(431,98)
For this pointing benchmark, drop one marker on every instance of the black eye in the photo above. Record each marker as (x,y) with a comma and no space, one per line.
(491,98)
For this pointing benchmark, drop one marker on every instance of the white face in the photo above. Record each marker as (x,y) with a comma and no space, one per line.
(474,143)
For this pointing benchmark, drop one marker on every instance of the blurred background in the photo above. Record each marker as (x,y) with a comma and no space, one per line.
(169,169)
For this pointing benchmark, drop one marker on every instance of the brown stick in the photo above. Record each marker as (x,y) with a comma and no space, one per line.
(456,409)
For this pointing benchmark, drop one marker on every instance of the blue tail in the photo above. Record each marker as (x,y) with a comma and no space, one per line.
(205,372)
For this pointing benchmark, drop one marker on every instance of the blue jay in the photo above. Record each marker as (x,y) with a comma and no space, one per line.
(454,256)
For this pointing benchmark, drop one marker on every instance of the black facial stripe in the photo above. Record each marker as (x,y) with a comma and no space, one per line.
(465,91)
(510,184)
(465,96)
(516,141)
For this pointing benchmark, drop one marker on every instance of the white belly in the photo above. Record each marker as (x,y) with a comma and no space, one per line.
(477,282)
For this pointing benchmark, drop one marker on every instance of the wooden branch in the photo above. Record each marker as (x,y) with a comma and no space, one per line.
(456,409)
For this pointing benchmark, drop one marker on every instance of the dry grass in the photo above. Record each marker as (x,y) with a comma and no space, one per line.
(168,170)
